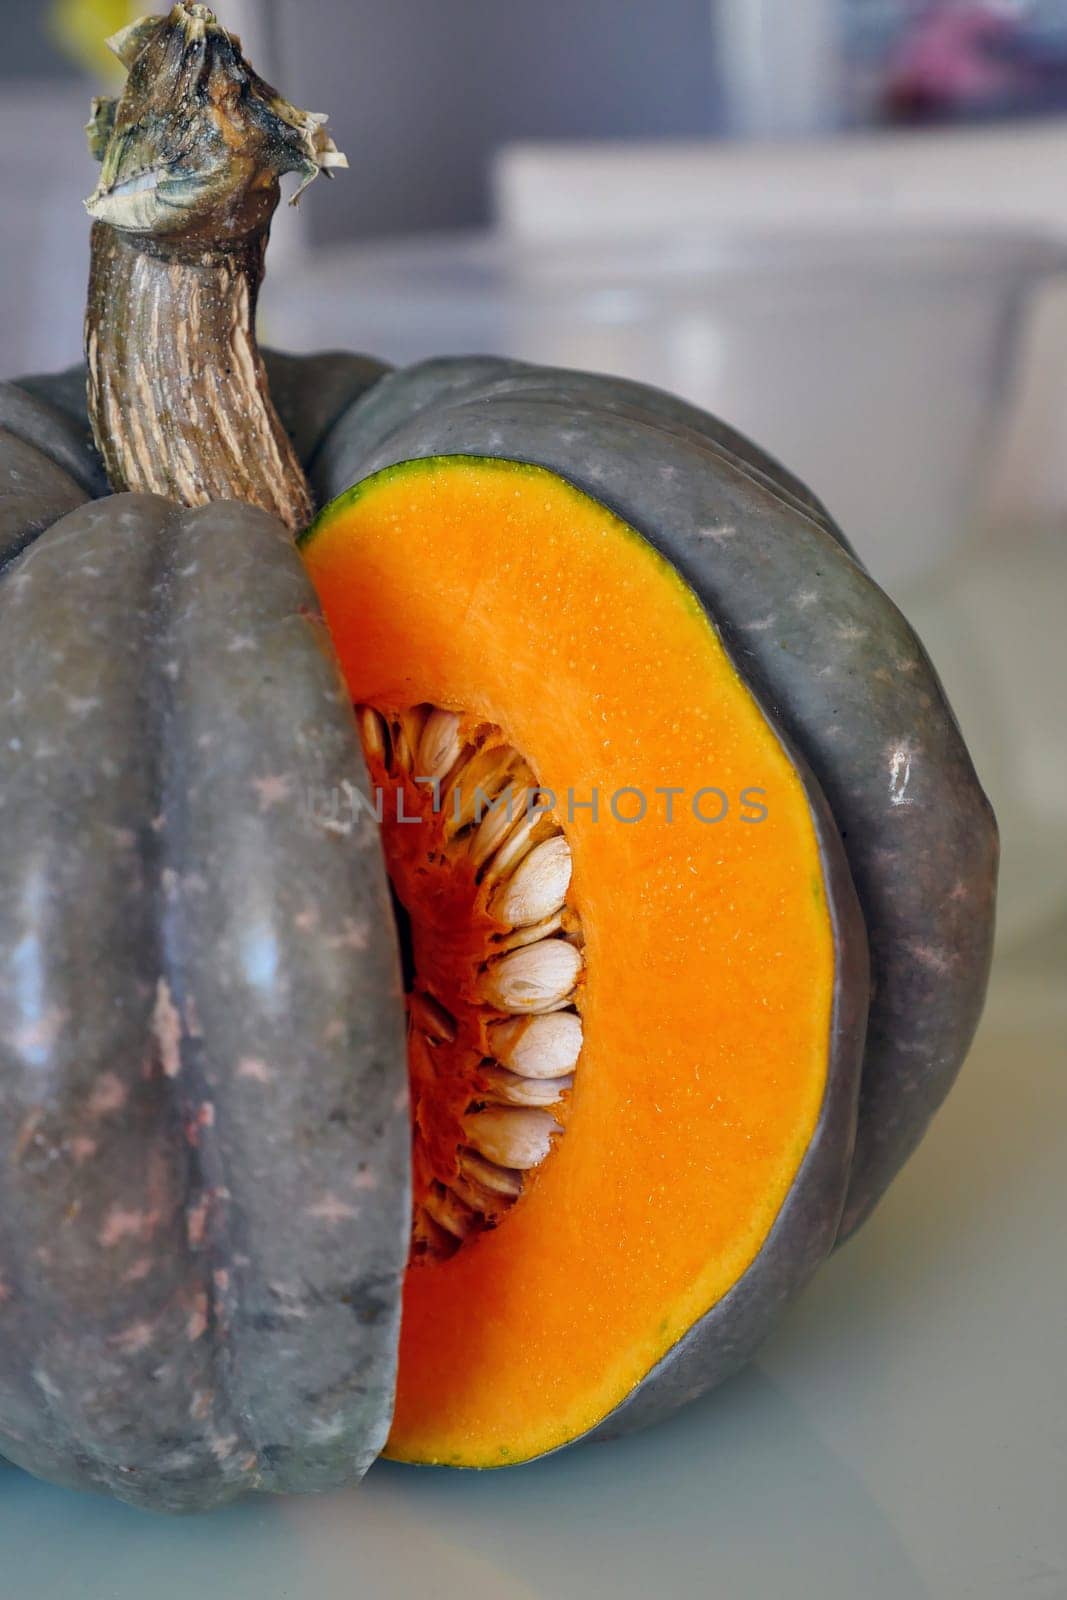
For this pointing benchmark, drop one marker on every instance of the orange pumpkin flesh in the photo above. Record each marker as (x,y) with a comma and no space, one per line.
(500,590)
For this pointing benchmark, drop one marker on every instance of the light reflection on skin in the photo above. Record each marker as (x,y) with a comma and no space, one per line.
(253,915)
(259,956)
(31,1032)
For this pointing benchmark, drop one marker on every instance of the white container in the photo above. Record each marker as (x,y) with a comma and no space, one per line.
(45,174)
(873,365)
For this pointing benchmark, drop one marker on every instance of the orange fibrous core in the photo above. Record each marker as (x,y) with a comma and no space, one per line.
(480,870)
(500,592)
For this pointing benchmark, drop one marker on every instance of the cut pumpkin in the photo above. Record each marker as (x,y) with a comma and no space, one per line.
(694,878)
(698,914)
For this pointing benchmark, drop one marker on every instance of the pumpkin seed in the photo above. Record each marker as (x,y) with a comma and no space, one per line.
(500,820)
(530,935)
(511,1137)
(538,1047)
(537,977)
(483,1201)
(504,1181)
(402,755)
(508,1088)
(520,841)
(372,731)
(538,886)
(429,1238)
(438,1024)
(407,731)
(484,780)
(449,1212)
(440,746)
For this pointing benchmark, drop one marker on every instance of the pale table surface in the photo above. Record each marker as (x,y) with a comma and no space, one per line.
(904,1434)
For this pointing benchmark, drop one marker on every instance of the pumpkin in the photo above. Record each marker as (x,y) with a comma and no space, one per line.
(692,875)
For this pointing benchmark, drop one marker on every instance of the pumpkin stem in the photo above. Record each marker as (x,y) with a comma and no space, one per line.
(192,153)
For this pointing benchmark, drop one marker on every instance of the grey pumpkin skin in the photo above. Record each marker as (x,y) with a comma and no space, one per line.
(204,1142)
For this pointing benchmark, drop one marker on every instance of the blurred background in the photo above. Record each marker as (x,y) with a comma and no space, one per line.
(841,224)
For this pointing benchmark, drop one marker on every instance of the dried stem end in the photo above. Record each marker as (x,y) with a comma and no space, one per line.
(195,145)
(191,156)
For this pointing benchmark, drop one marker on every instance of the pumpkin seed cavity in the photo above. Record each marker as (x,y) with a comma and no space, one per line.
(494,962)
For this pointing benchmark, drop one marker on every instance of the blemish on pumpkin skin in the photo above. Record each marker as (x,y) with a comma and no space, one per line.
(5,1293)
(325,1429)
(138,1336)
(139,1271)
(272,790)
(43,1381)
(353,936)
(900,759)
(761,625)
(200,1404)
(196,1322)
(196,1217)
(292,1298)
(108,1095)
(203,1118)
(223,1446)
(81,705)
(805,598)
(931,957)
(122,1224)
(365,1181)
(332,1209)
(82,1149)
(254,1070)
(167,1028)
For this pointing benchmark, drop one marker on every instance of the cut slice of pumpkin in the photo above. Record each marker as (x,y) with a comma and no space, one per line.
(622,993)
